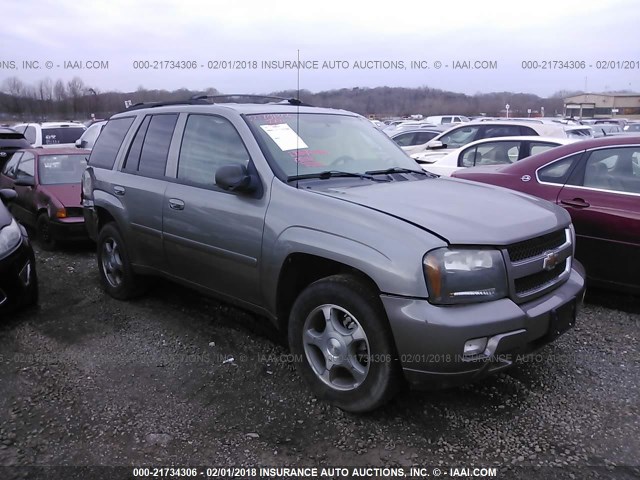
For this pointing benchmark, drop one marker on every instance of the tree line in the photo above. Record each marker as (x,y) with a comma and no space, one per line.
(74,100)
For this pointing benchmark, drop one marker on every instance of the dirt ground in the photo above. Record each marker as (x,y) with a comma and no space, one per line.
(175,378)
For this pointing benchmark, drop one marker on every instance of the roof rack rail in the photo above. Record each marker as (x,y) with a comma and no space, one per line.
(282,100)
(139,105)
(201,100)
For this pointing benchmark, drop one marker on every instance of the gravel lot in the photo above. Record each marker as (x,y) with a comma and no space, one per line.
(178,379)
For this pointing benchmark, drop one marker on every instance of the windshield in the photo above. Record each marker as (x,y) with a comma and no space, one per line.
(311,143)
(56,136)
(58,169)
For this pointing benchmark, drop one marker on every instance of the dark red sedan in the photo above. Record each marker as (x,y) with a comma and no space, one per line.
(598,182)
(47,182)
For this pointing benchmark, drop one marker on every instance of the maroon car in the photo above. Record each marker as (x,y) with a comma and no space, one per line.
(47,182)
(598,182)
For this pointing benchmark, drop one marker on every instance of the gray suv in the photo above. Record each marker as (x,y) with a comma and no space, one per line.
(378,271)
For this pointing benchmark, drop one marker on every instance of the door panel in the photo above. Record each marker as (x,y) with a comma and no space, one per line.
(215,239)
(212,237)
(606,215)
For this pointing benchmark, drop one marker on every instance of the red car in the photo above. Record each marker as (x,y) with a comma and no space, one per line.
(598,182)
(47,182)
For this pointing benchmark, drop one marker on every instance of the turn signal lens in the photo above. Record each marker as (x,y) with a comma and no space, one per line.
(61,213)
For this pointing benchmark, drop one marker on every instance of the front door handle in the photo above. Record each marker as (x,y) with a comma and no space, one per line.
(118,190)
(176,204)
(576,203)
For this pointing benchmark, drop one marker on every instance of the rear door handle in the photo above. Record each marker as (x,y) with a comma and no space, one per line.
(176,204)
(576,202)
(118,190)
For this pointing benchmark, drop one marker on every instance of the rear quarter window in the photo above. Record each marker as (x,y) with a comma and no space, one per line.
(558,172)
(106,148)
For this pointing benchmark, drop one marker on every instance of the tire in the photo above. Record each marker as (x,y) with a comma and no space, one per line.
(356,375)
(116,273)
(43,233)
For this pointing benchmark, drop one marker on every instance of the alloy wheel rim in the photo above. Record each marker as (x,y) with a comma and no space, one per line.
(112,265)
(336,347)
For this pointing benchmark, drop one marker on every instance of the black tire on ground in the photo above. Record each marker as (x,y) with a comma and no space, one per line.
(351,359)
(43,233)
(117,276)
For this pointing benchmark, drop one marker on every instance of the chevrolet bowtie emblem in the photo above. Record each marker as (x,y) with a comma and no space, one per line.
(550,261)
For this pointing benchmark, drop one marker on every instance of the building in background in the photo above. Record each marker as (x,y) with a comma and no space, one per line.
(603,105)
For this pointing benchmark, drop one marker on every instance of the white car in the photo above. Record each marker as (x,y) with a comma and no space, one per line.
(90,135)
(414,140)
(489,151)
(51,134)
(466,133)
(447,119)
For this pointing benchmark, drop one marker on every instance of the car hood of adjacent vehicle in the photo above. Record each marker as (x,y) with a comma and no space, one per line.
(68,194)
(459,211)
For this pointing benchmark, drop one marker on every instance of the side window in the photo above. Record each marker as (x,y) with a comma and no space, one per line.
(539,147)
(208,143)
(30,134)
(423,137)
(501,131)
(528,131)
(155,150)
(613,169)
(133,157)
(558,172)
(10,168)
(404,140)
(446,120)
(26,167)
(106,147)
(468,157)
(459,136)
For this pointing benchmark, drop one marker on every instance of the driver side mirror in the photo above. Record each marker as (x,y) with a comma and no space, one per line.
(234,178)
(436,144)
(81,143)
(7,195)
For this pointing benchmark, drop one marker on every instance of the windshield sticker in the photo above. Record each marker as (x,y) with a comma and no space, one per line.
(284,136)
(306,157)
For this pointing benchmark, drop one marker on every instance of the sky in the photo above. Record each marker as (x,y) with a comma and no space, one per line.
(464,46)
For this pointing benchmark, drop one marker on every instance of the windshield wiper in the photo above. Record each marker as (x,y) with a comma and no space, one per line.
(333,174)
(396,170)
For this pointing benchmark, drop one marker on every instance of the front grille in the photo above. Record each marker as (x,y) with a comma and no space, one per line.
(538,280)
(536,246)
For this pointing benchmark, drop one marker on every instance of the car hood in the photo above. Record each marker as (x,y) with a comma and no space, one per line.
(459,211)
(68,194)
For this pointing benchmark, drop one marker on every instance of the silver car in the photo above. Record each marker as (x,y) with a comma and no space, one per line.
(378,271)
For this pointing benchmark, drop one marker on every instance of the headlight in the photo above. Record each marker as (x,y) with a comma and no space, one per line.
(10,237)
(460,275)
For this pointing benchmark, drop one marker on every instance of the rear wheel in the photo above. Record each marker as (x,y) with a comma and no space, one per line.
(43,233)
(340,334)
(116,273)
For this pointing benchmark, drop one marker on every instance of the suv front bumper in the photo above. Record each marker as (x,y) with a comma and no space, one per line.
(430,339)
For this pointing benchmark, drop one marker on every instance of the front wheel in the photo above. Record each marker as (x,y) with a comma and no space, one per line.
(44,234)
(340,333)
(116,273)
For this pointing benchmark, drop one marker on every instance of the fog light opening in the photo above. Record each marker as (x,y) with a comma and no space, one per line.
(474,347)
